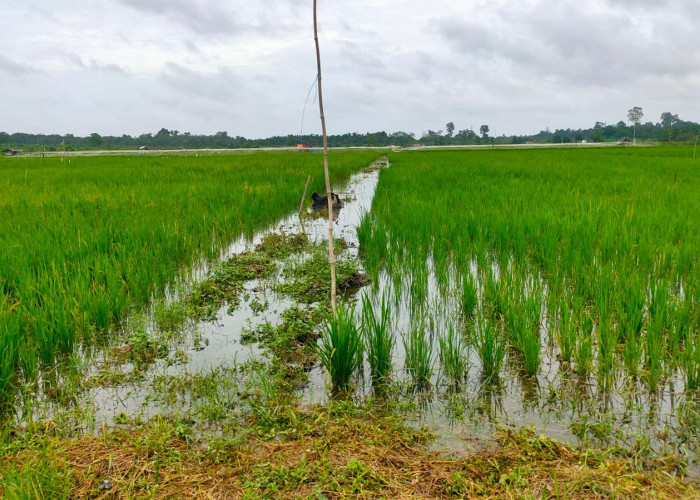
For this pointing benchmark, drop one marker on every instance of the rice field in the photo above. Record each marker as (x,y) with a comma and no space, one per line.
(555,288)
(482,292)
(588,257)
(86,241)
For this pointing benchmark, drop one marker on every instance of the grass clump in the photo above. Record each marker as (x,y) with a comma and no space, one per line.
(281,245)
(340,349)
(309,281)
(224,284)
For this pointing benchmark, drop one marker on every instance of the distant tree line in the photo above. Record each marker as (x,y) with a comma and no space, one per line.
(669,128)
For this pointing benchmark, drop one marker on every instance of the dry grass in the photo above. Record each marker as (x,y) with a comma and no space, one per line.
(337,453)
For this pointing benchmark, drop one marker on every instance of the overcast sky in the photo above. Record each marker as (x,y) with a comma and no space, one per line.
(134,66)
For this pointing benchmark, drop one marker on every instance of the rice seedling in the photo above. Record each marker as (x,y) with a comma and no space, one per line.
(565,333)
(583,353)
(340,348)
(490,346)
(522,322)
(379,339)
(607,343)
(691,364)
(419,356)
(654,352)
(453,356)
(469,297)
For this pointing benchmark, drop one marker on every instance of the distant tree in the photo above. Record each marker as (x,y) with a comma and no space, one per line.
(634,115)
(95,140)
(668,120)
(556,139)
(466,137)
(484,131)
(450,127)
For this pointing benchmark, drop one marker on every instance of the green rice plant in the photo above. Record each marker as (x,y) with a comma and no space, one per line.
(656,335)
(565,333)
(9,352)
(522,320)
(453,356)
(491,348)
(654,352)
(630,308)
(379,339)
(679,329)
(607,343)
(495,295)
(691,364)
(632,352)
(469,297)
(419,356)
(583,354)
(340,348)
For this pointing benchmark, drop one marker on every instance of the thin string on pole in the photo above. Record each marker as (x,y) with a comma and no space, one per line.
(303,111)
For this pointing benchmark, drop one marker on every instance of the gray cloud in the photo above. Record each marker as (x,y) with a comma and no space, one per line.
(202,17)
(94,65)
(15,68)
(129,66)
(577,46)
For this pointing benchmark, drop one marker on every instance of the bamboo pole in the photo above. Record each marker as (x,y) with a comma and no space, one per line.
(303,196)
(331,254)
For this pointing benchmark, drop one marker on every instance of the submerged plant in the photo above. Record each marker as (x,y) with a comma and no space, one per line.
(340,348)
(379,340)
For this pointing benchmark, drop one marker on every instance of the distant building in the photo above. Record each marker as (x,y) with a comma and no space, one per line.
(303,148)
(11,152)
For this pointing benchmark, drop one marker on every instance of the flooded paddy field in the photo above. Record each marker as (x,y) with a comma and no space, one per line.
(501,303)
